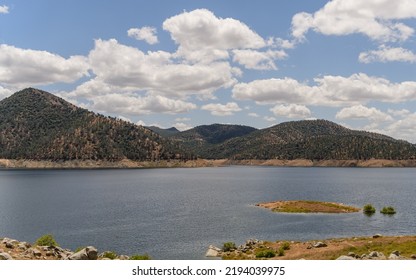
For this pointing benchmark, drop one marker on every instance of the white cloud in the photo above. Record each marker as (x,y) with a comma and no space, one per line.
(182,126)
(399,113)
(141,123)
(146,33)
(254,115)
(4,9)
(131,104)
(387,54)
(404,128)
(129,68)
(222,110)
(292,111)
(202,36)
(270,119)
(363,112)
(22,67)
(252,59)
(182,119)
(326,91)
(125,119)
(378,19)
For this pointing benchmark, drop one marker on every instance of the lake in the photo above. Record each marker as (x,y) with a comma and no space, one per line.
(178,213)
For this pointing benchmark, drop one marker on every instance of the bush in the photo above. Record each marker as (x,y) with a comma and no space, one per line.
(140,257)
(266,254)
(109,255)
(281,252)
(286,246)
(46,240)
(228,246)
(388,210)
(369,209)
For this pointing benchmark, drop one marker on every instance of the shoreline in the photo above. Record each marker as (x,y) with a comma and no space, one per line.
(130,164)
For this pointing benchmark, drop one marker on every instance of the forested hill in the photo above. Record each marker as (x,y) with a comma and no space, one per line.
(37,125)
(311,139)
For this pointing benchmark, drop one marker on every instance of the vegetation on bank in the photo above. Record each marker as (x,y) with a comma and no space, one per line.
(307,206)
(46,240)
(389,210)
(369,209)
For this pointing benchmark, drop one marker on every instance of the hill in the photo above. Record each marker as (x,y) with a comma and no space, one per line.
(205,138)
(164,132)
(313,140)
(37,125)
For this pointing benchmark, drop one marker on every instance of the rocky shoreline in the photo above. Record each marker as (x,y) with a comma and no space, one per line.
(11,249)
(376,247)
(125,164)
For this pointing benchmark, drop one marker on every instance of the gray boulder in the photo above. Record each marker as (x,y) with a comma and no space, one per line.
(346,258)
(5,257)
(320,245)
(213,252)
(88,253)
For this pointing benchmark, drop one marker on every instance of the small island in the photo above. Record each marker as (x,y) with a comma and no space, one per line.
(307,206)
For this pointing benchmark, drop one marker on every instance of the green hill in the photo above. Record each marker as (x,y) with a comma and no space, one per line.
(314,140)
(204,138)
(37,125)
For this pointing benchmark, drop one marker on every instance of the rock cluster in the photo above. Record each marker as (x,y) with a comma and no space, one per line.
(246,248)
(395,255)
(11,249)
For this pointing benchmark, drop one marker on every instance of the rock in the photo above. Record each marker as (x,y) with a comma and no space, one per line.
(213,252)
(5,257)
(377,256)
(394,257)
(124,257)
(378,235)
(23,246)
(346,258)
(397,253)
(352,254)
(413,257)
(320,245)
(88,253)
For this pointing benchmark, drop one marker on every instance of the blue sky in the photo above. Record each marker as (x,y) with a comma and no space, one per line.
(187,63)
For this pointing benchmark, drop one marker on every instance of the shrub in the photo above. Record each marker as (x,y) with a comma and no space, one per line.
(369,209)
(266,254)
(46,240)
(281,252)
(388,210)
(228,246)
(140,257)
(286,246)
(109,255)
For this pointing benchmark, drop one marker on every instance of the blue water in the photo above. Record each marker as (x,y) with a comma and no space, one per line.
(178,213)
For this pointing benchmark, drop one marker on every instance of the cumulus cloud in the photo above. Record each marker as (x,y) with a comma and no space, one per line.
(202,36)
(257,60)
(131,104)
(129,68)
(381,20)
(31,67)
(4,9)
(269,119)
(326,91)
(363,112)
(292,111)
(404,128)
(254,115)
(387,54)
(182,126)
(146,33)
(222,109)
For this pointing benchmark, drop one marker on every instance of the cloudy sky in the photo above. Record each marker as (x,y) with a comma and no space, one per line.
(185,63)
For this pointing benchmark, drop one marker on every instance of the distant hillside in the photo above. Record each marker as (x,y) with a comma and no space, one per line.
(37,125)
(206,137)
(164,132)
(314,140)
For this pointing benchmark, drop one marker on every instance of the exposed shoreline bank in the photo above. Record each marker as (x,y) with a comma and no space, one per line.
(130,164)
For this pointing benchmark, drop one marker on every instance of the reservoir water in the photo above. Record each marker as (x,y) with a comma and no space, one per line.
(178,213)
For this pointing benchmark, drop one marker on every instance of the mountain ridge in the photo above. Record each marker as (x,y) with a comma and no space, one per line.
(38,125)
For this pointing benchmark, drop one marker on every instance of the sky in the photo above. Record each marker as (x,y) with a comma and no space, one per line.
(186,63)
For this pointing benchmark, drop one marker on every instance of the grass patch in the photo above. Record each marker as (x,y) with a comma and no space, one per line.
(140,257)
(388,210)
(110,255)
(286,246)
(266,254)
(46,240)
(309,206)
